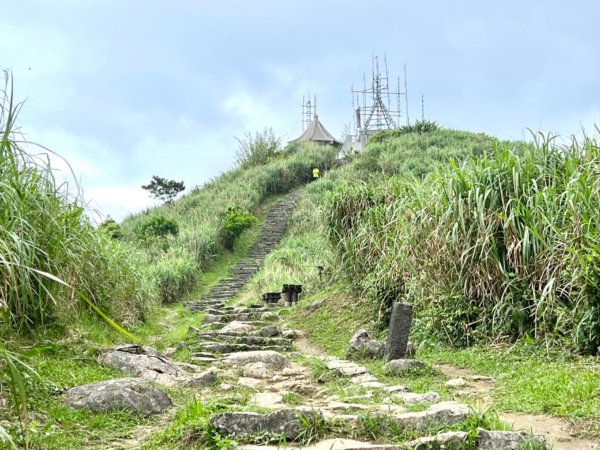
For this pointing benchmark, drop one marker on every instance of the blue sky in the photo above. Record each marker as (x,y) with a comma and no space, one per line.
(128,89)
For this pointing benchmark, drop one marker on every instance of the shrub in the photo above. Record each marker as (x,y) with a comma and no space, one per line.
(258,149)
(158,226)
(112,229)
(174,277)
(235,221)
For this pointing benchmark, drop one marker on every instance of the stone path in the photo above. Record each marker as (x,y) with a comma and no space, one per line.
(248,345)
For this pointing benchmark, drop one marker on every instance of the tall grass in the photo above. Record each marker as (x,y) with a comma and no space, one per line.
(49,253)
(177,262)
(502,246)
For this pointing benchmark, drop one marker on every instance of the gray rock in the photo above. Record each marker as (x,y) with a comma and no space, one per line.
(257,370)
(236,327)
(345,368)
(289,334)
(363,345)
(410,398)
(269,331)
(245,424)
(270,358)
(507,440)
(401,366)
(135,395)
(144,362)
(316,304)
(439,415)
(452,440)
(455,383)
(204,379)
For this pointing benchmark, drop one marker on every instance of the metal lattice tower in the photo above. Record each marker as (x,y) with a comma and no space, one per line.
(309,110)
(376,107)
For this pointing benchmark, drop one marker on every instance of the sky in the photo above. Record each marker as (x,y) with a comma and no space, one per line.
(127,89)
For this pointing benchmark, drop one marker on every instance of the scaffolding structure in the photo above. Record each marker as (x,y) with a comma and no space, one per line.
(309,110)
(377,106)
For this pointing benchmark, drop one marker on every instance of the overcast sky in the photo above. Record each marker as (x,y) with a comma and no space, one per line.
(127,89)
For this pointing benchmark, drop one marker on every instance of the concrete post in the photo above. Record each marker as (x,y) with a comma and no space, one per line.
(400,322)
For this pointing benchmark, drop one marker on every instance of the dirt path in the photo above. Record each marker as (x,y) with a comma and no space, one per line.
(560,433)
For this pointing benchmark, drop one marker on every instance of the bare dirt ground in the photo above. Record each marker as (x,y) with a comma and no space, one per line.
(560,433)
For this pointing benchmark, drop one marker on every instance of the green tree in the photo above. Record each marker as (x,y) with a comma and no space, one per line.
(163,189)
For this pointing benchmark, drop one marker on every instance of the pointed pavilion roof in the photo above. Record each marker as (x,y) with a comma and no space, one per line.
(316,132)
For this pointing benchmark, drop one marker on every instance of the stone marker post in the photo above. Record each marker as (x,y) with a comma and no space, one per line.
(400,321)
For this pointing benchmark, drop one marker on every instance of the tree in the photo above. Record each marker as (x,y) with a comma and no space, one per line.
(163,189)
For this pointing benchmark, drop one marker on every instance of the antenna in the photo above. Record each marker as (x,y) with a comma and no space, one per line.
(422,108)
(308,110)
(377,111)
(406,96)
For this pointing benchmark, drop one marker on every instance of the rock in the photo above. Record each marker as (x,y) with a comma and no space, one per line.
(270,400)
(507,440)
(244,424)
(236,327)
(452,440)
(289,334)
(144,362)
(226,387)
(269,331)
(257,370)
(409,398)
(397,388)
(345,368)
(202,380)
(189,368)
(210,318)
(438,415)
(401,366)
(268,315)
(455,383)
(135,395)
(363,345)
(270,358)
(252,383)
(316,304)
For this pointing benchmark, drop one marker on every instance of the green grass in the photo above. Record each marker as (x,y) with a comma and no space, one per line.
(529,380)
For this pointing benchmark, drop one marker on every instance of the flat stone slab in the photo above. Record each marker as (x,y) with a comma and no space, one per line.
(271,359)
(345,368)
(135,395)
(401,366)
(144,362)
(452,440)
(410,398)
(455,383)
(440,415)
(269,400)
(236,327)
(507,440)
(244,424)
(203,380)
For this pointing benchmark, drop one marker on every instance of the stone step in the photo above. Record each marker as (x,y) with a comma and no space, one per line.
(222,347)
(249,340)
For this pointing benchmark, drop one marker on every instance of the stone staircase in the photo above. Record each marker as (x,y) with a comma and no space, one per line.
(250,341)
(272,232)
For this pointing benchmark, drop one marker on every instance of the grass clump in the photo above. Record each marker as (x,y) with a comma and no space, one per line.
(498,247)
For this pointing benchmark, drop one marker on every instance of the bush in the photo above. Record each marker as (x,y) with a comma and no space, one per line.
(112,229)
(235,221)
(158,226)
(258,149)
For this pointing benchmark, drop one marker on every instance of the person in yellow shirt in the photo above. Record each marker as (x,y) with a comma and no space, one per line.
(315,174)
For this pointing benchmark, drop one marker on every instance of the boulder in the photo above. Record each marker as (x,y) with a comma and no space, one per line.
(144,362)
(401,366)
(455,383)
(289,422)
(507,440)
(135,395)
(202,380)
(363,345)
(440,415)
(271,359)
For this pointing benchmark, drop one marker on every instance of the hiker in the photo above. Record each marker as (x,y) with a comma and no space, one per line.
(315,174)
